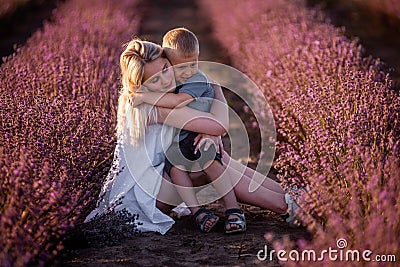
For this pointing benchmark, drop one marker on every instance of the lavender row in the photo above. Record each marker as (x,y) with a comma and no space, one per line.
(336,113)
(58,99)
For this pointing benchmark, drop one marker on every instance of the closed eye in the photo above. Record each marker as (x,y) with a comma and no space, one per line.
(155,79)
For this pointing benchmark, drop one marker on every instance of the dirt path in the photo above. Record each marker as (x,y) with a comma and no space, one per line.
(184,245)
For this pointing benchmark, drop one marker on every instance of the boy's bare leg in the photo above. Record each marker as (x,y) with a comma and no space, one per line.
(224,187)
(185,190)
(168,198)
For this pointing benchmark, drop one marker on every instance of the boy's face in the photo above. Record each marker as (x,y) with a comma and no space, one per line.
(184,67)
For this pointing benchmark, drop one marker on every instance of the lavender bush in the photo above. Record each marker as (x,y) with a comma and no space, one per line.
(108,229)
(337,118)
(58,100)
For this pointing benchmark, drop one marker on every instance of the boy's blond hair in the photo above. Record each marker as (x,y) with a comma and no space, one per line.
(182,40)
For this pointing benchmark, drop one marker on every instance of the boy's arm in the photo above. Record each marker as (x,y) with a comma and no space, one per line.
(219,107)
(164,100)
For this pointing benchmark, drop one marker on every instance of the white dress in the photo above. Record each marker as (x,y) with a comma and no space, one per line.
(134,180)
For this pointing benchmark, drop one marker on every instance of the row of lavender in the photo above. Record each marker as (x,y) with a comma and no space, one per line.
(337,119)
(58,96)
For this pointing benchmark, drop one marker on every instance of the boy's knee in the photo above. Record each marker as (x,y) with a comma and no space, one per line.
(208,164)
(177,169)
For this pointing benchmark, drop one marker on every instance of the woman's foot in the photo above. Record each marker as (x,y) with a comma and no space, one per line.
(290,216)
(205,219)
(235,221)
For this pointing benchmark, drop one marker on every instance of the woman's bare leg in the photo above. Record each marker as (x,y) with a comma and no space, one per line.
(269,195)
(249,172)
(261,197)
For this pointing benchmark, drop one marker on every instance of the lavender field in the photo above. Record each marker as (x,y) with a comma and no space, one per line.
(58,99)
(336,109)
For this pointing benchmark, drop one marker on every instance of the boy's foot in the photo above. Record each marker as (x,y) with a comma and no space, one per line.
(205,220)
(235,221)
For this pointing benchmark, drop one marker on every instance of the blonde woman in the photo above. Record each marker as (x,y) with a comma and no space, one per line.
(134,182)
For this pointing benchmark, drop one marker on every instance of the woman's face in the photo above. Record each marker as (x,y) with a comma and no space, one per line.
(159,76)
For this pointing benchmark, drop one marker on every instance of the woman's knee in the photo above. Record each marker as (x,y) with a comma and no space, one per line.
(177,173)
(281,208)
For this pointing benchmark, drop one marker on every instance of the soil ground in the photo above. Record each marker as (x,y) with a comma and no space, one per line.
(184,245)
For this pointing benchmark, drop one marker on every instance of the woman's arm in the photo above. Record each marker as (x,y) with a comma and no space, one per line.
(192,120)
(164,100)
(214,123)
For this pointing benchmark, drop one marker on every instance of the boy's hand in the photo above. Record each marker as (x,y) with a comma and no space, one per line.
(135,99)
(208,140)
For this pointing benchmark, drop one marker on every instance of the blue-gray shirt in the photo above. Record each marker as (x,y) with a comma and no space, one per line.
(201,90)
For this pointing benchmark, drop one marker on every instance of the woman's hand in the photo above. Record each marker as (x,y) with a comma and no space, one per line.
(208,140)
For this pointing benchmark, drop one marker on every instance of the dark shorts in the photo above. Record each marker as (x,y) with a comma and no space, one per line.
(182,153)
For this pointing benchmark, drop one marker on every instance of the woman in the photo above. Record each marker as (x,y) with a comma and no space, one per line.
(135,179)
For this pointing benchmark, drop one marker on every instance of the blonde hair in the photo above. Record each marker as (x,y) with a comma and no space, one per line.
(182,40)
(132,61)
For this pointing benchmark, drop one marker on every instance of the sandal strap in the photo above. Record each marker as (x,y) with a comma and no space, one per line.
(240,220)
(200,211)
(207,216)
(234,211)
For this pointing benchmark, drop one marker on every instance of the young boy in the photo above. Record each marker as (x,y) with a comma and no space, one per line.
(193,89)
